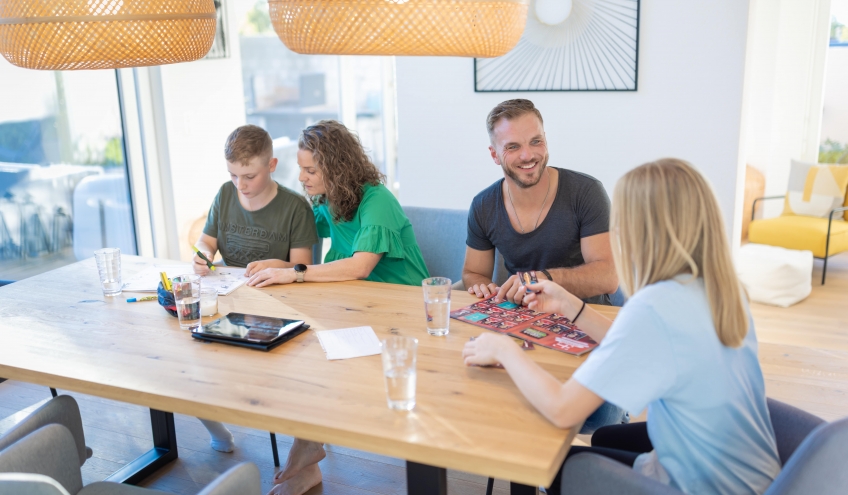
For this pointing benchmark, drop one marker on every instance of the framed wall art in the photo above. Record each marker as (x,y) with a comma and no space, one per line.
(569,45)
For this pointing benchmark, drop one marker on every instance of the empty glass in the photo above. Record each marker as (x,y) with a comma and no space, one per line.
(399,356)
(437,292)
(187,297)
(109,266)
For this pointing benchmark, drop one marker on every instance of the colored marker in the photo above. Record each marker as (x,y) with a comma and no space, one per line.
(204,258)
(166,283)
(140,299)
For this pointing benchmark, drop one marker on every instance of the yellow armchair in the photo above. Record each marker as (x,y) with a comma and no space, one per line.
(823,236)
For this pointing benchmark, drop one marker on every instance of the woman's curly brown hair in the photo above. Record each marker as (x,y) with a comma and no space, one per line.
(347,169)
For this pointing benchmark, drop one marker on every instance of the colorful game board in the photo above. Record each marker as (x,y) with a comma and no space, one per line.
(545,329)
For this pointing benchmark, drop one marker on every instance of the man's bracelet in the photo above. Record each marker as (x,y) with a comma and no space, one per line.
(547,274)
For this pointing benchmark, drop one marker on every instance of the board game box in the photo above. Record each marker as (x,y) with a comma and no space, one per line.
(545,329)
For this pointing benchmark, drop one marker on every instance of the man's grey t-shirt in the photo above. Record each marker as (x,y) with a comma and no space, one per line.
(268,233)
(581,208)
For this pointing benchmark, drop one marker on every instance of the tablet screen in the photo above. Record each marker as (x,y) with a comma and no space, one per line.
(252,328)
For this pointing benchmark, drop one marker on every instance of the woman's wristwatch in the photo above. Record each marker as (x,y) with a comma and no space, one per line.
(300,271)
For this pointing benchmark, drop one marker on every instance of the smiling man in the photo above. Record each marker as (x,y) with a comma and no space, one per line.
(541,218)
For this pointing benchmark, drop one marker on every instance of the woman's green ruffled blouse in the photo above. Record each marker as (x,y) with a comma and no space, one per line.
(379,227)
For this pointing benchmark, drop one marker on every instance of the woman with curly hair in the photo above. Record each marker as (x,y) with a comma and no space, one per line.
(372,238)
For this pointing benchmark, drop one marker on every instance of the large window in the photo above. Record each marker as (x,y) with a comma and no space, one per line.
(63,178)
(285,92)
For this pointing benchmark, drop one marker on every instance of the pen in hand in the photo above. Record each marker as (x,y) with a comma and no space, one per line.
(204,258)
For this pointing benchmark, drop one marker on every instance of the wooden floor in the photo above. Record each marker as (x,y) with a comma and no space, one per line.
(803,352)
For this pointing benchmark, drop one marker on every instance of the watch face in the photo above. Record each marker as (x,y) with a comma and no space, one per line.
(300,267)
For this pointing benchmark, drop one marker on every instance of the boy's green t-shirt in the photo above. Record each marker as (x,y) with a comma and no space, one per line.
(268,233)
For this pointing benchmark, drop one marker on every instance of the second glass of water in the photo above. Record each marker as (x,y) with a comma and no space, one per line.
(437,292)
(399,356)
(187,297)
(109,267)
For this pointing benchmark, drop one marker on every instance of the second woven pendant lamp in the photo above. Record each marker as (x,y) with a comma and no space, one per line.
(104,34)
(469,28)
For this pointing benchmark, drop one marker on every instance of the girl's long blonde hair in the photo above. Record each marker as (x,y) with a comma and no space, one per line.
(665,222)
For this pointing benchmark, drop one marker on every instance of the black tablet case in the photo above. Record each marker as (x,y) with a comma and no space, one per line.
(254,345)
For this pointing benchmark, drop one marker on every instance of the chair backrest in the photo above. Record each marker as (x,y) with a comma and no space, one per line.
(441,237)
(819,465)
(29,484)
(50,451)
(791,427)
(242,479)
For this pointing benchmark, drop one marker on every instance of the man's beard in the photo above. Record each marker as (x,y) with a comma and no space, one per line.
(512,174)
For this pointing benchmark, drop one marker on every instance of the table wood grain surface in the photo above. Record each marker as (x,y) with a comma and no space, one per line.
(57,329)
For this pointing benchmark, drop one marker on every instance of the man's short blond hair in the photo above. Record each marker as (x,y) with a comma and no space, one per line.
(509,110)
(246,142)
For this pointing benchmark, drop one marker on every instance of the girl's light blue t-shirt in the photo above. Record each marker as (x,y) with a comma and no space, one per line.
(707,415)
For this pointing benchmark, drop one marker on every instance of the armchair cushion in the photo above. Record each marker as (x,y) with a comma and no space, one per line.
(800,233)
(593,474)
(815,189)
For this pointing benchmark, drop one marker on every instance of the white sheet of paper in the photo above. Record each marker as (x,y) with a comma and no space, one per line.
(349,343)
(225,279)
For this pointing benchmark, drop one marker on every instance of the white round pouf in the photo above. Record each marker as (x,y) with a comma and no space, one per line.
(775,275)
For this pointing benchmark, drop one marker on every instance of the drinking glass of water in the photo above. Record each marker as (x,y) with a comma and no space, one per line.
(109,266)
(399,355)
(437,292)
(187,297)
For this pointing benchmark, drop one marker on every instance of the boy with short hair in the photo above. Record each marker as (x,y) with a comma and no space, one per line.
(255,223)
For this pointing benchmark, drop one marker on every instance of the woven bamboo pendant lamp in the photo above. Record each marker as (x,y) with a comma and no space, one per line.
(469,28)
(104,34)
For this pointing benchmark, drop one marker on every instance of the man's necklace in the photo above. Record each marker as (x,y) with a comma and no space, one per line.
(548,191)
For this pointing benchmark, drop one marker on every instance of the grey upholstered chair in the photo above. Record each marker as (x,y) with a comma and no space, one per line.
(441,236)
(43,453)
(814,456)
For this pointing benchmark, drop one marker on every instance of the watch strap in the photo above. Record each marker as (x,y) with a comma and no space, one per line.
(547,274)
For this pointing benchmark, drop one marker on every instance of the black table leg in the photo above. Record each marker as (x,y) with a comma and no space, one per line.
(422,479)
(519,489)
(164,451)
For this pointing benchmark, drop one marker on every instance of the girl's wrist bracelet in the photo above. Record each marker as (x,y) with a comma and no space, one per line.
(574,320)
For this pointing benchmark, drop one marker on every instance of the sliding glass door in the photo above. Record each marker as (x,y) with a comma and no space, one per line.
(64,190)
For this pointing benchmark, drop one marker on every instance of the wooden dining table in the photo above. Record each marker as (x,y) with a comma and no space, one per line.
(57,329)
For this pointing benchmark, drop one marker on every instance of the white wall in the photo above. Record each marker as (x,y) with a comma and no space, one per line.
(835,114)
(203,102)
(688,105)
(784,88)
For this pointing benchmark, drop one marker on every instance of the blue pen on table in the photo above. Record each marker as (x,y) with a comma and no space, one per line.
(140,299)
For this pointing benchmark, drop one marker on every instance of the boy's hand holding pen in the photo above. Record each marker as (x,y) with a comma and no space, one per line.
(202,262)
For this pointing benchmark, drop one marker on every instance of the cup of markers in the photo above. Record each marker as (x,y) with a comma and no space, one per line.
(165,294)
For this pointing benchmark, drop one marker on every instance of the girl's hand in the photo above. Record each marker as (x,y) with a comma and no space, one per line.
(257,266)
(548,297)
(487,349)
(270,276)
